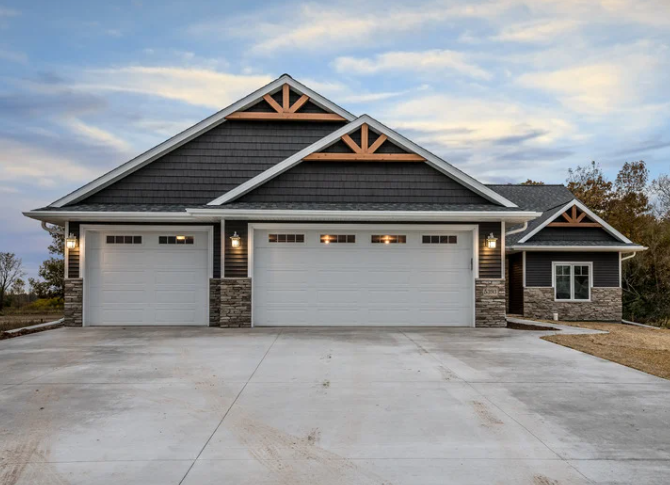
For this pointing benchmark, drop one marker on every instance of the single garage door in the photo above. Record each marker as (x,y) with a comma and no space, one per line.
(355,277)
(146,278)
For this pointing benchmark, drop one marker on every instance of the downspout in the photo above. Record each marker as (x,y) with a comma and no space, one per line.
(516,231)
(631,256)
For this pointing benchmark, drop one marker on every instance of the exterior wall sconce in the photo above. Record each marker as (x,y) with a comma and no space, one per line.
(235,240)
(71,241)
(491,241)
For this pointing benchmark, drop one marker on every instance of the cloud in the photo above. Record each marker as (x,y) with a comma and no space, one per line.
(13,56)
(96,135)
(35,166)
(197,86)
(594,88)
(458,122)
(313,27)
(433,61)
(539,31)
(8,12)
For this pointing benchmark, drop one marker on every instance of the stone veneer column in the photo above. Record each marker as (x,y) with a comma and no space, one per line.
(235,302)
(74,302)
(215,302)
(605,305)
(490,303)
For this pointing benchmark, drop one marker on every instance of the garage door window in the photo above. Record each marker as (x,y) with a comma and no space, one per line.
(124,239)
(432,239)
(388,239)
(338,238)
(286,238)
(177,239)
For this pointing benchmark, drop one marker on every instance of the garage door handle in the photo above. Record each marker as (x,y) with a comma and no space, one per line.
(472,266)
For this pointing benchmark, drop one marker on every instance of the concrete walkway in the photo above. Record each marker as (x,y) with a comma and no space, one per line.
(324,406)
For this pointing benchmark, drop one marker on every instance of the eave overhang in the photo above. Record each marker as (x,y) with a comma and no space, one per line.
(213,215)
(363,215)
(583,249)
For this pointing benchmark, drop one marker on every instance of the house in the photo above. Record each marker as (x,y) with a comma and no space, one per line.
(285,209)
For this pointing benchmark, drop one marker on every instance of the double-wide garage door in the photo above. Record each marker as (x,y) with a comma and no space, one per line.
(354,277)
(135,277)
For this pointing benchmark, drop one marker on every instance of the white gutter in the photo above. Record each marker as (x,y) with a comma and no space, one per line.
(517,231)
(326,215)
(627,249)
(53,230)
(631,256)
(55,217)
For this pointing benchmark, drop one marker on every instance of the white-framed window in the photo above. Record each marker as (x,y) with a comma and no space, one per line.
(572,281)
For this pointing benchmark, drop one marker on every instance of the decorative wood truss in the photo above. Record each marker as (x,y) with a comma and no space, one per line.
(574,220)
(285,111)
(365,152)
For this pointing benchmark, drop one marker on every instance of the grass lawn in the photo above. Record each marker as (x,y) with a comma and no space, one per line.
(644,349)
(8,322)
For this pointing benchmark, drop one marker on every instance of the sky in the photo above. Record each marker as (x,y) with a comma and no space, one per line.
(505,90)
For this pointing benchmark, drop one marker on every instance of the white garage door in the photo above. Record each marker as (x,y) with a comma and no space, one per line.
(300,280)
(146,278)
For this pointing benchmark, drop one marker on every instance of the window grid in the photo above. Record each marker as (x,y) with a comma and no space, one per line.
(572,281)
(123,239)
(177,240)
(338,238)
(388,239)
(286,238)
(441,239)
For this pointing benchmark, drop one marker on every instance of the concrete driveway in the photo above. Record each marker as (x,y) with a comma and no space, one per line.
(324,406)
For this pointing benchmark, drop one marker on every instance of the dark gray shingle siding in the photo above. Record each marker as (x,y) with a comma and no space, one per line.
(572,234)
(539,267)
(214,163)
(490,262)
(370,182)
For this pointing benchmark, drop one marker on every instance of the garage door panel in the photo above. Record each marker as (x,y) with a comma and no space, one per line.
(287,277)
(336,296)
(174,316)
(179,259)
(362,283)
(147,284)
(123,259)
(175,296)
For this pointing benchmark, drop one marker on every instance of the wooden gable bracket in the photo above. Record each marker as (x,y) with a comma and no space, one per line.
(285,111)
(574,220)
(365,152)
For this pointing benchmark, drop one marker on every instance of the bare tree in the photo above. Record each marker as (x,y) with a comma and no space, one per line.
(661,188)
(10,270)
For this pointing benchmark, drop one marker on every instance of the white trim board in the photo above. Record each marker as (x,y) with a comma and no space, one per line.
(572,264)
(337,215)
(196,130)
(582,249)
(432,160)
(588,212)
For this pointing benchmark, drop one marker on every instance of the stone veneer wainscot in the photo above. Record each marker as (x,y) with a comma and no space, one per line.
(605,305)
(490,303)
(74,302)
(235,302)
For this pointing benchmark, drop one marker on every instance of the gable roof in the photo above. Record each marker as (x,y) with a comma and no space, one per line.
(196,130)
(431,159)
(575,203)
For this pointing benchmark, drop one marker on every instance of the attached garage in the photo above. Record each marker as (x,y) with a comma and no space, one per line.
(363,275)
(139,275)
